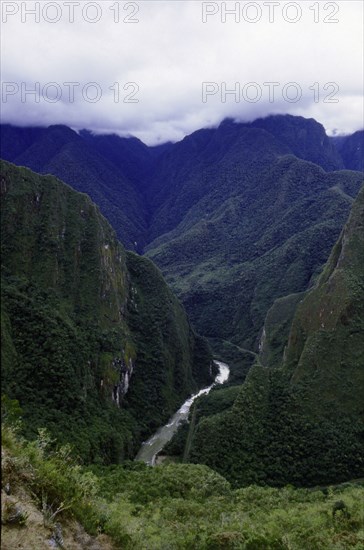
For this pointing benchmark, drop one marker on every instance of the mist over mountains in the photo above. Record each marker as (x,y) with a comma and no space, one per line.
(131,182)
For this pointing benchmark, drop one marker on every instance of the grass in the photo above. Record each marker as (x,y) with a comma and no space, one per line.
(178,506)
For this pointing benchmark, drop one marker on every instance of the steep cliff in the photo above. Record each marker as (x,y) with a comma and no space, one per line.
(326,345)
(95,345)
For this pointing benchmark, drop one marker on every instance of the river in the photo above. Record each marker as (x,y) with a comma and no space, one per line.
(153,446)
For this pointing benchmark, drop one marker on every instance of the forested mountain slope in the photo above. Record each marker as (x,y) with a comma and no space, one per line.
(326,343)
(73,158)
(235,216)
(95,346)
(303,421)
(260,232)
(351,149)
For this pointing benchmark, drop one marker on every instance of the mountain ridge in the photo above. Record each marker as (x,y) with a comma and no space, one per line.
(189,207)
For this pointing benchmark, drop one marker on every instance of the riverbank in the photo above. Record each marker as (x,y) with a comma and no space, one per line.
(155,444)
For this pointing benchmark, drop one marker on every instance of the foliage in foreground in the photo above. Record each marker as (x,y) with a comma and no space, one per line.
(183,506)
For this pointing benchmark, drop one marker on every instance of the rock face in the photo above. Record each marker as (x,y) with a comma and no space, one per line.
(95,345)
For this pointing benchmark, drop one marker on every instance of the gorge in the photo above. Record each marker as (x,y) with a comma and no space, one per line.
(225,284)
(151,448)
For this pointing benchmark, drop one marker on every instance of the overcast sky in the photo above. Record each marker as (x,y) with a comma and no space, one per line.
(177,61)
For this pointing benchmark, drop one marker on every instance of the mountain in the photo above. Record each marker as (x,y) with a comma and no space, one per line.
(306,138)
(131,156)
(95,346)
(73,158)
(236,216)
(255,225)
(351,149)
(303,421)
(200,154)
(326,345)
(243,220)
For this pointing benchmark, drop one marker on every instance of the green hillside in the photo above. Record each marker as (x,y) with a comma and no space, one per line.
(303,421)
(97,352)
(91,334)
(326,343)
(174,507)
(254,237)
(235,216)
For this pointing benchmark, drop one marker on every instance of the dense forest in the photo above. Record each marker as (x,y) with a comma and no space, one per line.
(86,325)
(299,420)
(257,230)
(235,216)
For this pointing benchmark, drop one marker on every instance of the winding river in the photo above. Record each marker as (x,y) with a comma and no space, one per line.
(153,446)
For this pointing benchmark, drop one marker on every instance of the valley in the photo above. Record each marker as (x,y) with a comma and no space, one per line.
(182,275)
(95,346)
(201,301)
(235,217)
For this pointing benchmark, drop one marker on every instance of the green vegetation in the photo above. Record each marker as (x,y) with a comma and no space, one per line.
(325,349)
(266,437)
(94,344)
(239,359)
(255,234)
(179,506)
(71,157)
(276,329)
(97,352)
(218,400)
(235,216)
(171,357)
(300,421)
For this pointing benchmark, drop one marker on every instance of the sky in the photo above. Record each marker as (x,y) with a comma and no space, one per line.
(159,70)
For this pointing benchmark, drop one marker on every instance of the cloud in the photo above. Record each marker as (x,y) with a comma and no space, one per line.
(150,75)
